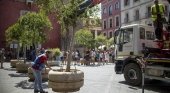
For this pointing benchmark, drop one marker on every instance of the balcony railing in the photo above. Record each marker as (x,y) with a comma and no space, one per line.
(126,20)
(136,18)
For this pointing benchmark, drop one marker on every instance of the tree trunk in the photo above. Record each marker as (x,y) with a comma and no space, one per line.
(71,47)
(18,49)
(24,53)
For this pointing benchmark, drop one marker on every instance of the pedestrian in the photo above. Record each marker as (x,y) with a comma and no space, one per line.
(37,67)
(158,11)
(2,57)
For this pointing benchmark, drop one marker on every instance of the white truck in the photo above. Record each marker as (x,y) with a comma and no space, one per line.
(135,41)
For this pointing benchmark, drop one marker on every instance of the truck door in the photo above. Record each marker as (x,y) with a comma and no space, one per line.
(124,42)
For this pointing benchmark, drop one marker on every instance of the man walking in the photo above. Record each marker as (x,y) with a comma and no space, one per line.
(158,11)
(37,67)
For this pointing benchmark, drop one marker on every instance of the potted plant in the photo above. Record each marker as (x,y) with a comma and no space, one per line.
(68,13)
(13,36)
(55,55)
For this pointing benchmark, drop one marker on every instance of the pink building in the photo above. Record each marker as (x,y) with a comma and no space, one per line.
(110,16)
(11,10)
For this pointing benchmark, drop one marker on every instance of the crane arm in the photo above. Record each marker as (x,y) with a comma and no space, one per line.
(87,4)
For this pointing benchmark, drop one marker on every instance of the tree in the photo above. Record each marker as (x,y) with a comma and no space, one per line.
(111,41)
(101,40)
(29,29)
(13,34)
(34,26)
(68,12)
(84,37)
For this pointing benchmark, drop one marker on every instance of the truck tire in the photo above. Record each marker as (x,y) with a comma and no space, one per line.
(133,74)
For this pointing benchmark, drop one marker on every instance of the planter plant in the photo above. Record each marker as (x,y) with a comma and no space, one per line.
(55,57)
(68,13)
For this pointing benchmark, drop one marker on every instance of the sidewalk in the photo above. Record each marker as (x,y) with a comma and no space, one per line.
(97,79)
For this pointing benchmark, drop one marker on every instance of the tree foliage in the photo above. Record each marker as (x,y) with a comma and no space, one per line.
(111,41)
(84,37)
(35,26)
(13,33)
(30,28)
(101,40)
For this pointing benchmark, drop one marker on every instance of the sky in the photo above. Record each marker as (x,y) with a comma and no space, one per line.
(99,13)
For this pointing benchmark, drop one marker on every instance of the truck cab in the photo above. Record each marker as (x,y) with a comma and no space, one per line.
(131,42)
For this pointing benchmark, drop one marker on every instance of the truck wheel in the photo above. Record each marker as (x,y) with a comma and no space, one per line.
(133,74)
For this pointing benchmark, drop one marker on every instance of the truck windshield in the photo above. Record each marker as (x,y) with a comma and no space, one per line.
(123,35)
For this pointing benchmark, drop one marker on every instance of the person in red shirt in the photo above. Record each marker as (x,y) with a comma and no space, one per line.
(37,67)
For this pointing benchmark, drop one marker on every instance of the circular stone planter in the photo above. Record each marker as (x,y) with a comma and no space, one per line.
(65,81)
(22,67)
(14,61)
(44,74)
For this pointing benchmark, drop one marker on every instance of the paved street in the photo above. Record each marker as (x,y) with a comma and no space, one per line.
(98,79)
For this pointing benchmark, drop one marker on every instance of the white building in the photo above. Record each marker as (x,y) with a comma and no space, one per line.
(138,11)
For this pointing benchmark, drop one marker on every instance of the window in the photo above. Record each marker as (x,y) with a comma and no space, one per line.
(104,34)
(136,15)
(126,36)
(111,22)
(110,34)
(104,11)
(126,2)
(166,10)
(126,18)
(148,14)
(110,10)
(117,21)
(149,35)
(116,5)
(105,24)
(23,12)
(142,33)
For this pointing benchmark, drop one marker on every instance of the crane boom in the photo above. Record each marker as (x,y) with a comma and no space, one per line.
(87,4)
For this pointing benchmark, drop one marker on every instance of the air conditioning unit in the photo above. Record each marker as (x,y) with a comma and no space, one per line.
(29,1)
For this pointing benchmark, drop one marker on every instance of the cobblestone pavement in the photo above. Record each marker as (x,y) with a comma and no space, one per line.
(98,79)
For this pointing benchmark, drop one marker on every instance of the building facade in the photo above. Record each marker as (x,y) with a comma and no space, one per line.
(11,10)
(138,11)
(111,16)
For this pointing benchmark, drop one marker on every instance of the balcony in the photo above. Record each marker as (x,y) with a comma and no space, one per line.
(136,18)
(126,20)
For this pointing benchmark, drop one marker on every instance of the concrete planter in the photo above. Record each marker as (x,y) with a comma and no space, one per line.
(14,61)
(22,67)
(53,63)
(44,74)
(65,81)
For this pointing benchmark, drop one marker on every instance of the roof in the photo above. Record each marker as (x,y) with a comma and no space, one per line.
(135,25)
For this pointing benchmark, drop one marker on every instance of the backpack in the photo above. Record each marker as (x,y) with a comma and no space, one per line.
(37,64)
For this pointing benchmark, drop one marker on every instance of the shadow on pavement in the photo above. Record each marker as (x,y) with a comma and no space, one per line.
(18,75)
(29,85)
(153,85)
(10,69)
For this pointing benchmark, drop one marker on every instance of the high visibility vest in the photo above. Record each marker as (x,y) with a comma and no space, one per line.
(154,10)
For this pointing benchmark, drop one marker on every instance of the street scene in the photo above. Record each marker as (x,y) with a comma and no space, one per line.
(84,46)
(98,79)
